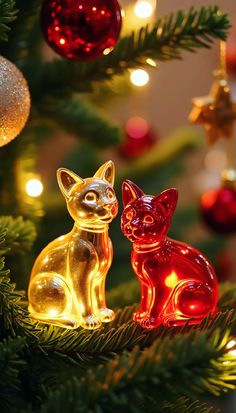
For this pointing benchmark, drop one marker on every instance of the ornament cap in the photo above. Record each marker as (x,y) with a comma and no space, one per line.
(228,178)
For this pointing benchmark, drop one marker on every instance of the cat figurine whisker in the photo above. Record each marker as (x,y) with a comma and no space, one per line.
(177,281)
(67,284)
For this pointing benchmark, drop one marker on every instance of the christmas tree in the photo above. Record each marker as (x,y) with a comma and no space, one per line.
(46,368)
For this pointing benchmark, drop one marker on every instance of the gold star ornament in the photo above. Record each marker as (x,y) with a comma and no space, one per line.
(217,111)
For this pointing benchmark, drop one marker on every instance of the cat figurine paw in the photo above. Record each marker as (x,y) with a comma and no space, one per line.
(177,281)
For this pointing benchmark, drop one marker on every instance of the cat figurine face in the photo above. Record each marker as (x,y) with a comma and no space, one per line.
(146,218)
(91,202)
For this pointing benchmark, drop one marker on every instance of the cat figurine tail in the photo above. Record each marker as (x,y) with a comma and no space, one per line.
(67,284)
(178,283)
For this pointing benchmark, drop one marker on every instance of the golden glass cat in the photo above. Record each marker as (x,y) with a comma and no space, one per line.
(67,284)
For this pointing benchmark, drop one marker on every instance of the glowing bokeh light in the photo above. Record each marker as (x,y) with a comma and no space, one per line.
(139,77)
(143,9)
(34,187)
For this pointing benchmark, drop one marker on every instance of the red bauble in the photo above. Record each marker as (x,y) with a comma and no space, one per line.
(138,138)
(218,209)
(224,266)
(177,281)
(81,29)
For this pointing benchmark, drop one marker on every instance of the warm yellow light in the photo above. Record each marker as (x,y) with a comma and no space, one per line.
(139,77)
(34,188)
(53,312)
(230,344)
(171,280)
(231,347)
(151,62)
(107,51)
(143,9)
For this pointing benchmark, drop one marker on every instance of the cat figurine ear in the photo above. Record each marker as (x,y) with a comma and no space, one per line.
(66,179)
(168,199)
(106,172)
(130,192)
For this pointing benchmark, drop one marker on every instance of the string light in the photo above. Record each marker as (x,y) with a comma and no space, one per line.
(143,9)
(34,187)
(139,77)
(231,346)
(151,62)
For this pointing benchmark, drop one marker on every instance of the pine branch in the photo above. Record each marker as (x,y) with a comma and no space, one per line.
(14,319)
(186,405)
(24,42)
(16,235)
(72,351)
(166,40)
(82,119)
(11,363)
(122,334)
(8,14)
(187,365)
(148,404)
(227,295)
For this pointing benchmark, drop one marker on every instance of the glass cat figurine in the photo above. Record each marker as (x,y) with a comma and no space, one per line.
(177,281)
(67,284)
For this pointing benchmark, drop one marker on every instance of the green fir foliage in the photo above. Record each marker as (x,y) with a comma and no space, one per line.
(119,366)
(11,363)
(16,235)
(8,14)
(47,369)
(83,120)
(166,40)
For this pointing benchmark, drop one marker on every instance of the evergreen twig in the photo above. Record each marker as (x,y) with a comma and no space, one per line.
(82,119)
(166,40)
(11,363)
(8,14)
(14,319)
(16,235)
(119,368)
(21,47)
(201,362)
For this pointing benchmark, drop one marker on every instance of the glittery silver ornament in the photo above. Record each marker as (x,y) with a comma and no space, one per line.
(14,101)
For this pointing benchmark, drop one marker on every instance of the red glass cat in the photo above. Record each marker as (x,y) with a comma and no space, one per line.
(177,281)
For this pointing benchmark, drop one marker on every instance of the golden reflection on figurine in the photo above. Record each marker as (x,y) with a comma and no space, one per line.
(67,285)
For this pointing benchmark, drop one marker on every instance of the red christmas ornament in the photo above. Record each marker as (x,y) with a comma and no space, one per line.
(224,266)
(177,281)
(138,138)
(218,209)
(81,29)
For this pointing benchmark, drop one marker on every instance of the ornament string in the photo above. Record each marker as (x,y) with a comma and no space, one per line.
(223,68)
